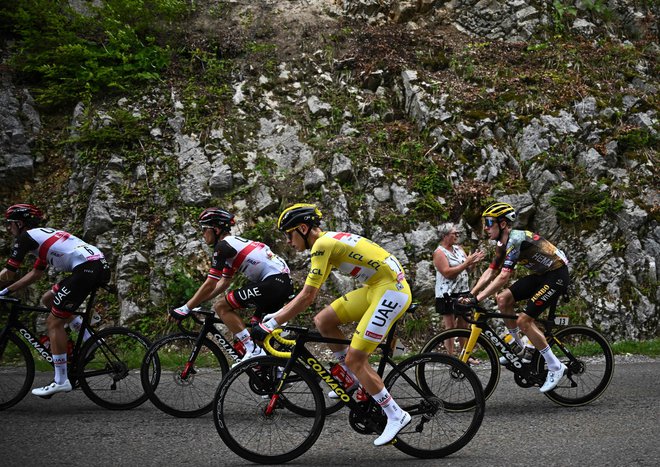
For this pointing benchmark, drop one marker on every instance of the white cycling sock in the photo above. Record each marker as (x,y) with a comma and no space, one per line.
(551,359)
(59,360)
(515,333)
(246,339)
(388,404)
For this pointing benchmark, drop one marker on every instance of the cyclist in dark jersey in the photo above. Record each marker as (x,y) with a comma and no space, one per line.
(547,282)
(66,253)
(269,288)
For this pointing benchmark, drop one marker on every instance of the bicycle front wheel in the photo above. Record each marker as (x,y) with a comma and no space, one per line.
(484,359)
(109,368)
(178,386)
(590,362)
(257,422)
(16,370)
(430,387)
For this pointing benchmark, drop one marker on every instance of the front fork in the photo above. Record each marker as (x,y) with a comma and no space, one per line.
(475,332)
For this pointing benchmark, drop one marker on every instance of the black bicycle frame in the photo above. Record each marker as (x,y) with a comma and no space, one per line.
(16,326)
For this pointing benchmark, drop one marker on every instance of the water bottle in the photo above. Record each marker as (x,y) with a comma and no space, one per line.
(239,347)
(341,375)
(361,394)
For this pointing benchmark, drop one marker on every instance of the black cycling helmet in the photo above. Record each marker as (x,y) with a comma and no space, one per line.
(216,217)
(500,211)
(28,213)
(298,214)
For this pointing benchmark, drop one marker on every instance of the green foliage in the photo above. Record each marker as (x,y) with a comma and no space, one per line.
(583,204)
(179,287)
(637,138)
(120,129)
(560,15)
(72,57)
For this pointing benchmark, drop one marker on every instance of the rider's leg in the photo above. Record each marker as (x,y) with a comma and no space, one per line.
(58,338)
(327,322)
(536,337)
(505,303)
(234,323)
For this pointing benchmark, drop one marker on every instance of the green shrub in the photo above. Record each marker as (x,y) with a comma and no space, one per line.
(71,57)
(583,204)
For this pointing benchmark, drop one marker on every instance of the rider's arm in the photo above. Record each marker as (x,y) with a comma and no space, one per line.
(7,275)
(299,304)
(483,281)
(205,292)
(33,276)
(494,285)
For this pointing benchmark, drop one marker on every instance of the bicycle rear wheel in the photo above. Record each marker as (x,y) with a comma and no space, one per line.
(109,368)
(16,370)
(174,385)
(261,427)
(590,361)
(430,387)
(486,364)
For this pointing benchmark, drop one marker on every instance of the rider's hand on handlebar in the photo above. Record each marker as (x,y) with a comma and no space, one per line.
(177,314)
(261,330)
(468,300)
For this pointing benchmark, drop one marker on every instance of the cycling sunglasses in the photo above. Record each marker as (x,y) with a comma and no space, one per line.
(489,221)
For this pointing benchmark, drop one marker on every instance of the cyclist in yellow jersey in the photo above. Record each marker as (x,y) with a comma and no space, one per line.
(382,300)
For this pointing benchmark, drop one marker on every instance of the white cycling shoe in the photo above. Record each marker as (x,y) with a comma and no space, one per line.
(52,388)
(392,429)
(552,380)
(256,352)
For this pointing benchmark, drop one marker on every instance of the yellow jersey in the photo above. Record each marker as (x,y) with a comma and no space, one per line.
(354,255)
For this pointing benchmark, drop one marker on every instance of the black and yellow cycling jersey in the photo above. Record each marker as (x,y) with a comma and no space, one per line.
(531,251)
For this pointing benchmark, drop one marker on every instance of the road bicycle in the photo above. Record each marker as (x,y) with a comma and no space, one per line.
(586,353)
(106,366)
(180,372)
(268,416)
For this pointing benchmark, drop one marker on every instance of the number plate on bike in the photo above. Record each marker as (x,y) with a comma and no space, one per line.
(561,320)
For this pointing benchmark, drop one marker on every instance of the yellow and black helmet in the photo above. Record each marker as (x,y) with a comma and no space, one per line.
(298,214)
(500,211)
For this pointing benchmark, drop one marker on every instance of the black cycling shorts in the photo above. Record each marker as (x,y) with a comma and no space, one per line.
(267,296)
(74,289)
(542,290)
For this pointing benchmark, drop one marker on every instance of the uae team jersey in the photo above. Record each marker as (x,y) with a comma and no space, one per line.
(55,248)
(531,251)
(354,255)
(253,259)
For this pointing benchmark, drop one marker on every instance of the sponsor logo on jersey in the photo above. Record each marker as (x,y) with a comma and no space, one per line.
(318,253)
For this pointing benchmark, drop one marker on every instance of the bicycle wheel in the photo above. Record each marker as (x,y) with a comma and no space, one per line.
(260,427)
(16,371)
(590,362)
(437,429)
(176,387)
(486,366)
(109,368)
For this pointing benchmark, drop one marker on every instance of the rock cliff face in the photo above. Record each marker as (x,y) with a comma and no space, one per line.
(394,116)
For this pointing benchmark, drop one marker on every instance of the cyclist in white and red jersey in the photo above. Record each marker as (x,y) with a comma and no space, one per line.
(65,253)
(376,306)
(542,288)
(269,287)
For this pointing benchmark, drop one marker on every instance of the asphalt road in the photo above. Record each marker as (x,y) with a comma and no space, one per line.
(521,428)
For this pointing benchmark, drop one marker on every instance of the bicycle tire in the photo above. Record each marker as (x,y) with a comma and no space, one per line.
(488,369)
(589,371)
(240,419)
(186,396)
(437,429)
(109,368)
(16,371)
